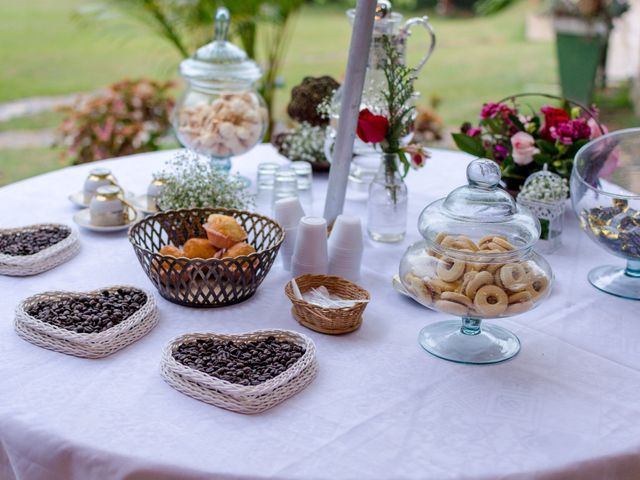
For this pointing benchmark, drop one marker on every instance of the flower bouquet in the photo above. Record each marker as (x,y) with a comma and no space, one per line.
(387,216)
(523,141)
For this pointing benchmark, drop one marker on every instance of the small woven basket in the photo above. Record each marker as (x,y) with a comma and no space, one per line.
(46,259)
(197,282)
(240,398)
(333,321)
(86,345)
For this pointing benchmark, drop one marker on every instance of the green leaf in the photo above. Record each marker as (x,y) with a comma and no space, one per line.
(546,147)
(406,165)
(470,145)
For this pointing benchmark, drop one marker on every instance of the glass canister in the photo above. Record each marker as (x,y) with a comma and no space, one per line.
(221,114)
(476,262)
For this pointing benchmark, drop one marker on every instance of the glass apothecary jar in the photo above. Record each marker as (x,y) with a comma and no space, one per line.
(220,114)
(476,262)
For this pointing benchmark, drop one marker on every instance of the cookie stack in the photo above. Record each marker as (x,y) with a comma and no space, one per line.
(486,279)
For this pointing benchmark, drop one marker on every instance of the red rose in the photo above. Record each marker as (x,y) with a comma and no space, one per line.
(372,128)
(553,117)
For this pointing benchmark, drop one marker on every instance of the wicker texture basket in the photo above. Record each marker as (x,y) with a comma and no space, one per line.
(86,345)
(198,282)
(46,259)
(333,321)
(234,397)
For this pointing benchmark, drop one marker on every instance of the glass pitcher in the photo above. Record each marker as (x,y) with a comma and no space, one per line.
(387,23)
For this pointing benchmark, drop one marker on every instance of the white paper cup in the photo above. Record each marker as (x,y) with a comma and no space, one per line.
(345,247)
(288,212)
(310,253)
(347,233)
(286,250)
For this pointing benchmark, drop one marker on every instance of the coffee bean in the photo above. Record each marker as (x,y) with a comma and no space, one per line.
(88,315)
(243,363)
(30,242)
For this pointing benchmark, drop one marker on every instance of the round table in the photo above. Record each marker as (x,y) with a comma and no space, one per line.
(381,407)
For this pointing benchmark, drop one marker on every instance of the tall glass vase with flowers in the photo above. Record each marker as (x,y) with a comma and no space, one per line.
(387,206)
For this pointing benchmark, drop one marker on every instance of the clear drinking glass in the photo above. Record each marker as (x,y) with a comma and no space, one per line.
(304,174)
(265,180)
(285,185)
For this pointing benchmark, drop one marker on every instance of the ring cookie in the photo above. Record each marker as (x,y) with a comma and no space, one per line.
(491,300)
(514,277)
(450,270)
(479,280)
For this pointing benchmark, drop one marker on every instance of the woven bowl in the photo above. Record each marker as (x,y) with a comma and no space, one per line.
(86,345)
(240,398)
(198,282)
(333,321)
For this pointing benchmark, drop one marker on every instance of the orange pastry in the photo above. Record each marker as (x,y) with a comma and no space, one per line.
(171,251)
(200,248)
(224,231)
(239,250)
(160,269)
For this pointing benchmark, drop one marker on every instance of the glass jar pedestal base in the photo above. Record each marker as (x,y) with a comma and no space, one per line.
(468,343)
(224,166)
(618,281)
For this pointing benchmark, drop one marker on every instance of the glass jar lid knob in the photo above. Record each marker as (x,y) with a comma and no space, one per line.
(483,173)
(223,18)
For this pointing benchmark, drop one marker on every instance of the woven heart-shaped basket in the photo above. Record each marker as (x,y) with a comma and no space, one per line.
(46,259)
(204,283)
(87,345)
(231,396)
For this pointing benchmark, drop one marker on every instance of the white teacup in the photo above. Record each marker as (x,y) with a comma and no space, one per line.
(97,178)
(153,192)
(109,209)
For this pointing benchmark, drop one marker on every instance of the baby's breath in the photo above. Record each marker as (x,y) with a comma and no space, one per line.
(305,142)
(546,187)
(191,182)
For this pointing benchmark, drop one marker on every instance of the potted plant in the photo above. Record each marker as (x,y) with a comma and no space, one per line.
(582,34)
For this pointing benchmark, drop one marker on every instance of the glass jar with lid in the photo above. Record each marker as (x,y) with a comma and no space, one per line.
(221,114)
(476,262)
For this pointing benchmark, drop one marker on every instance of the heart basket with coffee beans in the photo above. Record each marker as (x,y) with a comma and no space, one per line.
(88,324)
(37,248)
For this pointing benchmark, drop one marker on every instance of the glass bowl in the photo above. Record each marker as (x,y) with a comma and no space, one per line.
(605,193)
(476,262)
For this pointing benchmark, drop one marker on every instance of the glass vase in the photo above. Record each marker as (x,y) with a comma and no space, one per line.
(387,206)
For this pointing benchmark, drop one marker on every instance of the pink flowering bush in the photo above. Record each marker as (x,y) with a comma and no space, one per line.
(522,143)
(128,117)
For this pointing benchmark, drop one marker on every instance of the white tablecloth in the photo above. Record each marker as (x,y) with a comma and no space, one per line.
(567,407)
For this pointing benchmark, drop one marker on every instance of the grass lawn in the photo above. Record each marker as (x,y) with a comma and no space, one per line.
(48,51)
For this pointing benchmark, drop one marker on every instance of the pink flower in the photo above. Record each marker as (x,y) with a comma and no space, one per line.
(417,155)
(474,132)
(524,148)
(571,131)
(493,110)
(596,130)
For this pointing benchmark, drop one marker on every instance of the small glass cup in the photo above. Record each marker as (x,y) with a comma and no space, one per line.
(304,173)
(285,185)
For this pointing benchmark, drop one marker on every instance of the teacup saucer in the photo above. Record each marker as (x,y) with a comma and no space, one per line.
(83,219)
(78,198)
(140,202)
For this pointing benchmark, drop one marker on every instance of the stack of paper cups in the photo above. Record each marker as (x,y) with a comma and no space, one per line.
(288,212)
(345,247)
(310,253)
